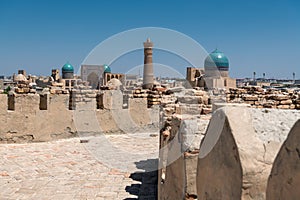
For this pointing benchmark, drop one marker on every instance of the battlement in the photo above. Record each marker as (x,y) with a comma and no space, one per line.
(44,117)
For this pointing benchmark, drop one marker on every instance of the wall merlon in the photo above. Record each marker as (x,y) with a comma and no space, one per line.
(3,103)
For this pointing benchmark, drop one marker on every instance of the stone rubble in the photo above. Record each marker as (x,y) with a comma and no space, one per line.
(264,98)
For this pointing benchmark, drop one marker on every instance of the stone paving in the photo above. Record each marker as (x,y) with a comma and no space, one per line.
(95,167)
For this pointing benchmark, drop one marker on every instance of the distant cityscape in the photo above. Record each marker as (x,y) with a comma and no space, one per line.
(98,76)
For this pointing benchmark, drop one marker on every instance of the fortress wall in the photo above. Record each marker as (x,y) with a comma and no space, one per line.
(3,104)
(27,123)
(58,121)
(138,111)
(107,122)
(27,103)
(33,120)
(238,151)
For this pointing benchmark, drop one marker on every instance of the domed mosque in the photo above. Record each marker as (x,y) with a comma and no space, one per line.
(215,74)
(216,69)
(99,75)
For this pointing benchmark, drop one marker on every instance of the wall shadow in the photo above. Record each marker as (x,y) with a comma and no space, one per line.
(147,189)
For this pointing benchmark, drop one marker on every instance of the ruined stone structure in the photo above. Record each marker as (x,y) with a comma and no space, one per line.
(183,121)
(195,77)
(246,153)
(148,65)
(259,98)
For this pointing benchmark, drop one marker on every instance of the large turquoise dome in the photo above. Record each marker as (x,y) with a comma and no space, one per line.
(107,69)
(67,68)
(217,59)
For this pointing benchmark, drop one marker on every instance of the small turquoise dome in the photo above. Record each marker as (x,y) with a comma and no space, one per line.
(217,59)
(67,68)
(107,69)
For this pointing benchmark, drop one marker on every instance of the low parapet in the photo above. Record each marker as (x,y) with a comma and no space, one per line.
(44,117)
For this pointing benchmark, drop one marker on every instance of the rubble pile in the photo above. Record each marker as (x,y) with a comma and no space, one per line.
(24,88)
(154,97)
(57,88)
(82,96)
(258,97)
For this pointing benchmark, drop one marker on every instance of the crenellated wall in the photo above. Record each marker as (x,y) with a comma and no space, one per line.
(27,123)
(34,117)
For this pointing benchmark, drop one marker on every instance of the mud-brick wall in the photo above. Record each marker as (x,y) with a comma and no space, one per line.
(3,104)
(26,122)
(34,118)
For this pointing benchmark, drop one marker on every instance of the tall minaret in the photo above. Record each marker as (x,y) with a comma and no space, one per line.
(148,65)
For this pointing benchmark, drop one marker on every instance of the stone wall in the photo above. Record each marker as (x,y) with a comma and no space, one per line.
(264,98)
(183,123)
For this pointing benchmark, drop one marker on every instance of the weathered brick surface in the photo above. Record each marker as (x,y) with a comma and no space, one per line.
(68,169)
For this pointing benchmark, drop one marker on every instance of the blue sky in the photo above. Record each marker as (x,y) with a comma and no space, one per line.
(261,36)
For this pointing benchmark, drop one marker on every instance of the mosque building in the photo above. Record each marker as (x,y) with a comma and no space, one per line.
(99,75)
(215,74)
(68,78)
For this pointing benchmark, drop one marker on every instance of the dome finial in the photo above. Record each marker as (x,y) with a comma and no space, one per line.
(148,39)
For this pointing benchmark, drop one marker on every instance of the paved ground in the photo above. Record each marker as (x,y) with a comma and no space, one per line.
(107,167)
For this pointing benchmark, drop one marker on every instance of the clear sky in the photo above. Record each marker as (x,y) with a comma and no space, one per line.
(257,35)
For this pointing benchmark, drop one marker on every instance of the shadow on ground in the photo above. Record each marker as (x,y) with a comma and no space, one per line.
(147,189)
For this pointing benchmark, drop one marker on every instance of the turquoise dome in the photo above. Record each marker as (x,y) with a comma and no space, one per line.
(107,69)
(67,68)
(217,59)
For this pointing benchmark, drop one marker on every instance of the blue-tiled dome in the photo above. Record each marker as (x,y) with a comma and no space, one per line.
(67,68)
(217,59)
(107,69)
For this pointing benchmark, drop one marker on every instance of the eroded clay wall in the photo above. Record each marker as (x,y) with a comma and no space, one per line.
(28,121)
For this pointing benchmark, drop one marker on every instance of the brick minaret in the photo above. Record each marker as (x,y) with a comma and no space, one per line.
(148,65)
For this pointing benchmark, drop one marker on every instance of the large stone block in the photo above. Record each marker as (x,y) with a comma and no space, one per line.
(284,180)
(238,150)
(219,173)
(190,99)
